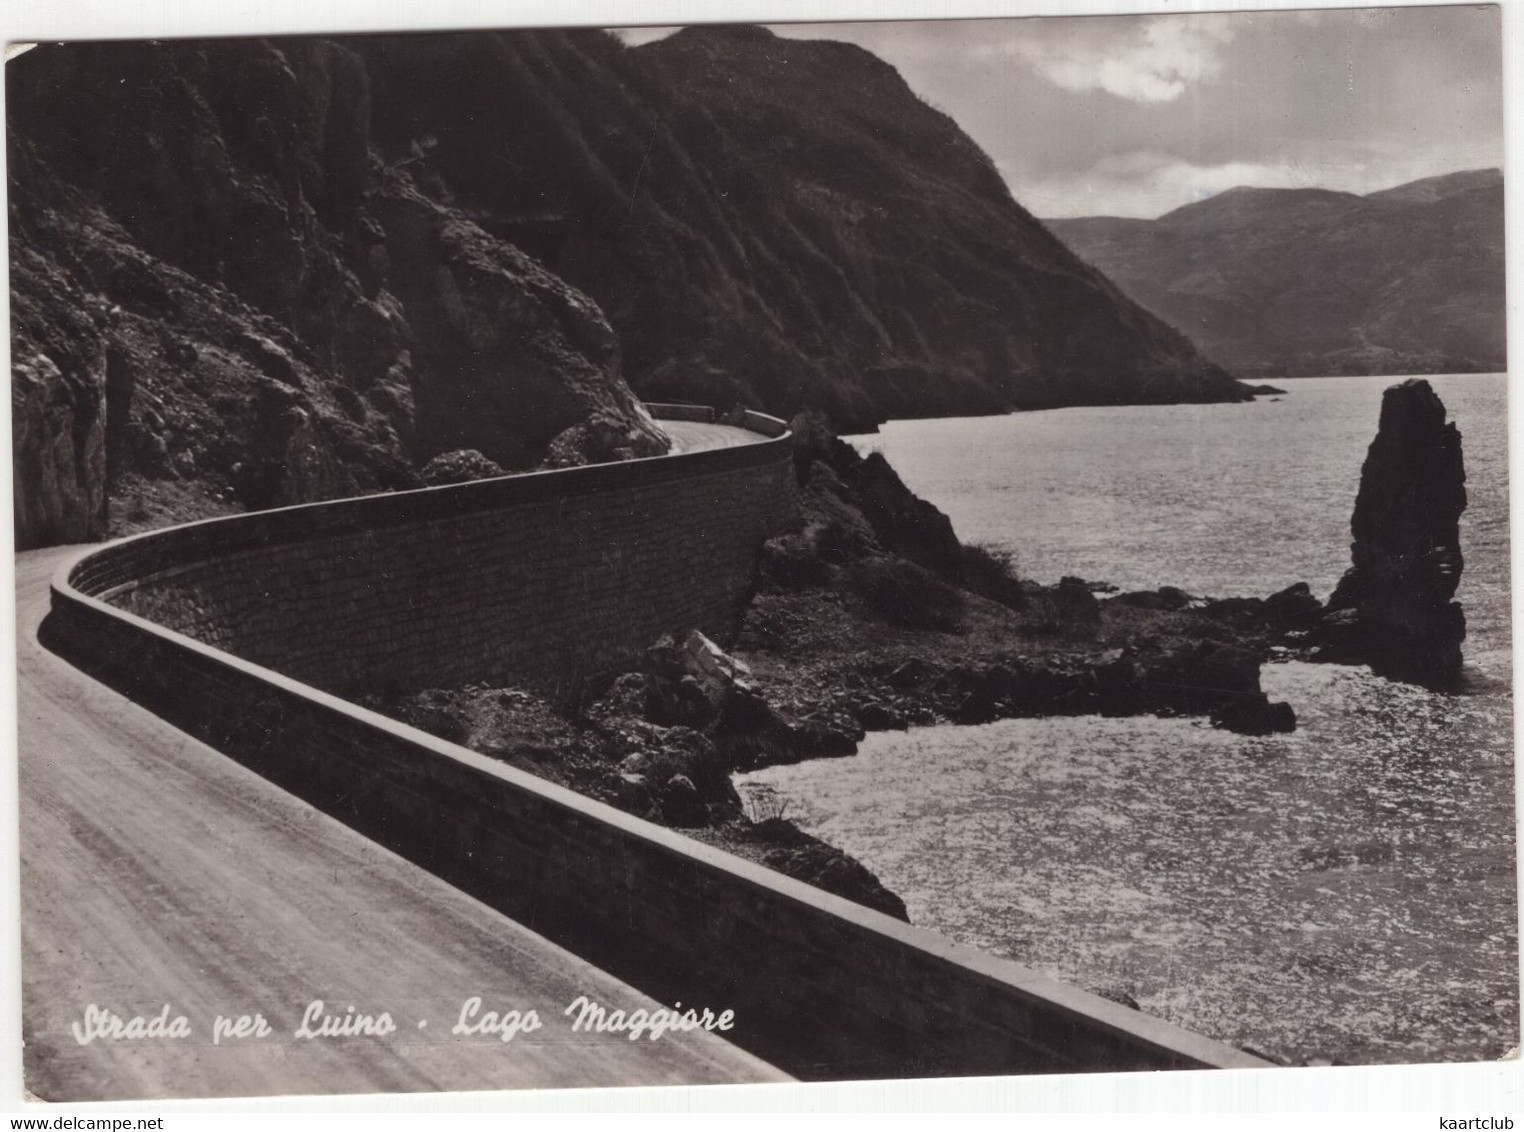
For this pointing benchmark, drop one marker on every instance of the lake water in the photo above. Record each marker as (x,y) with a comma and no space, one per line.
(1346,892)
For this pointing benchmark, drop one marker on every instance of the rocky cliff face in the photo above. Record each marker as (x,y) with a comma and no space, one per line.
(1305,282)
(253,272)
(774,221)
(223,298)
(58,405)
(1393,608)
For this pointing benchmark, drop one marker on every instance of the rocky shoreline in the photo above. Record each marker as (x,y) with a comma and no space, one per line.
(660,742)
(870,615)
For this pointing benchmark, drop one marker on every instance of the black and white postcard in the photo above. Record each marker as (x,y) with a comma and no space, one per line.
(563,557)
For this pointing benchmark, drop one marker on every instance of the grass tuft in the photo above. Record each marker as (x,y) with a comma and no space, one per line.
(989,570)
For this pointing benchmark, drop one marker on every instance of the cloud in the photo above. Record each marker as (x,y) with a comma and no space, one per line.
(1147,184)
(1142,59)
(1135,116)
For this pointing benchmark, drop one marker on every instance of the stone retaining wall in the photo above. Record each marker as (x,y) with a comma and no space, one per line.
(542,579)
(823,988)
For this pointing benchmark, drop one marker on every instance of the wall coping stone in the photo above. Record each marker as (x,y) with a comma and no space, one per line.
(1157,1042)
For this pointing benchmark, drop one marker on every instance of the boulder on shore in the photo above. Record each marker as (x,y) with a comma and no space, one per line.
(1392,609)
(1255,715)
(1293,609)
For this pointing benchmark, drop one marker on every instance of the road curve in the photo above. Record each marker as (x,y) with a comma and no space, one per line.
(157,871)
(696,436)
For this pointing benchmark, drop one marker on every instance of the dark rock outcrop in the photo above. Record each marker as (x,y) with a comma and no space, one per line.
(144,395)
(794,853)
(893,555)
(1077,605)
(1293,609)
(1157,674)
(461,466)
(225,298)
(693,683)
(671,773)
(1255,715)
(866,493)
(1168,598)
(894,564)
(1282,618)
(1392,609)
(59,406)
(511,356)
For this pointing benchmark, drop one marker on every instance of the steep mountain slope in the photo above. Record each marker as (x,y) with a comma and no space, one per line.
(223,300)
(1306,281)
(778,221)
(255,272)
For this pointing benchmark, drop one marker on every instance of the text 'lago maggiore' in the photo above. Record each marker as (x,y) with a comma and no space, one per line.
(321,1021)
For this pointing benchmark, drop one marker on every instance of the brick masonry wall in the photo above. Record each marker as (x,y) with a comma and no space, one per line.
(823,988)
(544,579)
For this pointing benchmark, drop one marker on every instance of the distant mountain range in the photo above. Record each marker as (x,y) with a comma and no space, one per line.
(1301,282)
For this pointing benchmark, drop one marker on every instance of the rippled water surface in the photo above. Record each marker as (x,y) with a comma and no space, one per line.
(1347,892)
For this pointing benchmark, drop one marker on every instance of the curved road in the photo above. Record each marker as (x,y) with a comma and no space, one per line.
(694,436)
(157,871)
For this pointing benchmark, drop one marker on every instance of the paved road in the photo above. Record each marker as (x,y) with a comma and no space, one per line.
(695,436)
(156,871)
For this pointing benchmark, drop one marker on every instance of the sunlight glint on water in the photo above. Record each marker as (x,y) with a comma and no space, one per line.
(1346,892)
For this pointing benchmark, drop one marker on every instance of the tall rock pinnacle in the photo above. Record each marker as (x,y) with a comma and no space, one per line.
(1393,608)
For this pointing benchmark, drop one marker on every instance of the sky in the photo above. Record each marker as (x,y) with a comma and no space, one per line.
(1137,115)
